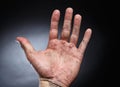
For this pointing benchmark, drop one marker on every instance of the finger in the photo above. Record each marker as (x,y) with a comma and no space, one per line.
(26,45)
(67,24)
(85,41)
(76,29)
(54,25)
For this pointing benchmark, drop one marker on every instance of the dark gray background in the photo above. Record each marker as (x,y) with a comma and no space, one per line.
(32,20)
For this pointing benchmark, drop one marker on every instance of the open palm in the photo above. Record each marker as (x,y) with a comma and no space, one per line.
(61,60)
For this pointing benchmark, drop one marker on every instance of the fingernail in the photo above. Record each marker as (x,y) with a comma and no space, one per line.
(17,42)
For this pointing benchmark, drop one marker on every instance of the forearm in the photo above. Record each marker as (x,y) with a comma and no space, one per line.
(45,83)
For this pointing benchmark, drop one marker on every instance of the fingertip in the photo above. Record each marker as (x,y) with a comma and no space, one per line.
(77,19)
(23,39)
(69,9)
(55,15)
(19,38)
(25,43)
(78,16)
(89,30)
(88,34)
(56,11)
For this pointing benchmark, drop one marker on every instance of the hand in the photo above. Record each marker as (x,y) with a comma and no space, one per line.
(60,62)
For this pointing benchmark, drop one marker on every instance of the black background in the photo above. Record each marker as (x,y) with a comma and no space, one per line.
(97,67)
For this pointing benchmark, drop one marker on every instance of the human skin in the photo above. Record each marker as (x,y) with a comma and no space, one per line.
(60,62)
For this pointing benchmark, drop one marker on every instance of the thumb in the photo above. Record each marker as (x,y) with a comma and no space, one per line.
(25,44)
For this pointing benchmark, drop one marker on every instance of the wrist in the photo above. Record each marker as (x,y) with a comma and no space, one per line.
(47,83)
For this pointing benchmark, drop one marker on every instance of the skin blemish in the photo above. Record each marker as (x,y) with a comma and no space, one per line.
(63,42)
(71,45)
